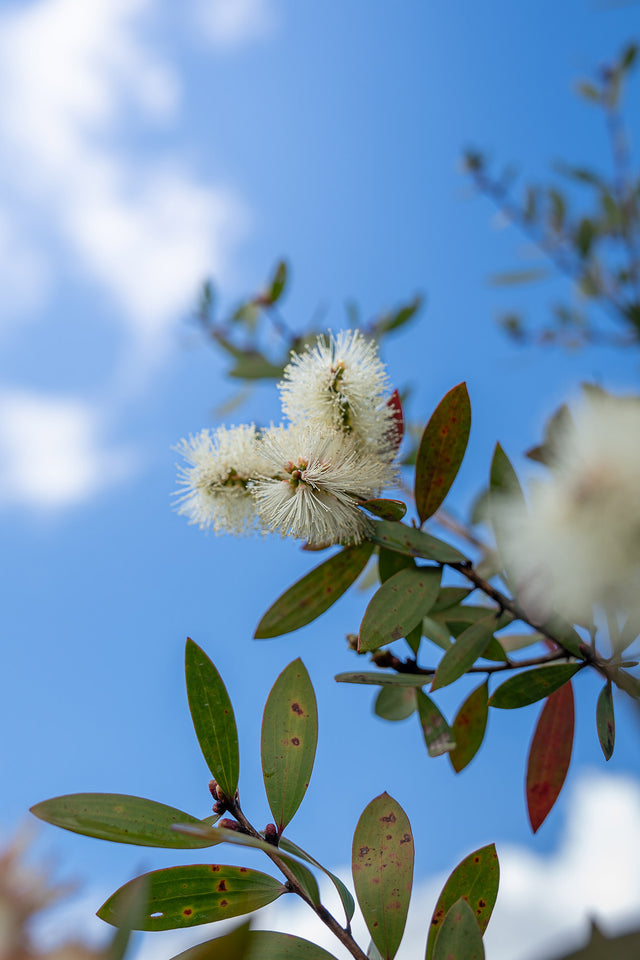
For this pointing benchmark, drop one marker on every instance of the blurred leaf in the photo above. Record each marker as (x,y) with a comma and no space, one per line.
(437,733)
(414,543)
(437,632)
(380,679)
(289,740)
(345,896)
(119,818)
(383,871)
(531,685)
(198,893)
(605,721)
(629,56)
(512,278)
(398,318)
(390,563)
(625,947)
(564,633)
(217,835)
(441,450)
(475,879)
(470,645)
(414,638)
(550,754)
(232,946)
(213,718)
(314,593)
(557,206)
(398,606)
(278,283)
(459,936)
(504,486)
(254,366)
(518,641)
(385,509)
(588,92)
(469,727)
(395,703)
(556,432)
(584,237)
(449,597)
(132,910)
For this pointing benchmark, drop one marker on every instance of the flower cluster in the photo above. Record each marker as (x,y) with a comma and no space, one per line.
(577,544)
(305,478)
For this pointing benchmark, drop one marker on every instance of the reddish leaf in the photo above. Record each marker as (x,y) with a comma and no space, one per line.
(441,450)
(550,754)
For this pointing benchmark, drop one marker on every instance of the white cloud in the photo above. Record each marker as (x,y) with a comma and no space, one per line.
(76,79)
(544,903)
(228,24)
(52,452)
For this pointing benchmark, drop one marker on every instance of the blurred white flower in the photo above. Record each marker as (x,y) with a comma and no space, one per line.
(578,544)
(320,477)
(221,464)
(341,383)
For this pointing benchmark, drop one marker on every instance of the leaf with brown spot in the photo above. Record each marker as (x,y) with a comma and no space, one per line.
(185,896)
(382,866)
(459,937)
(398,606)
(605,721)
(213,718)
(469,727)
(441,450)
(437,733)
(260,945)
(288,743)
(476,879)
(550,754)
(307,599)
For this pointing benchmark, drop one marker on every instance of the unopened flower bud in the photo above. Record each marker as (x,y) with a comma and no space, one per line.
(213,787)
(228,824)
(219,807)
(270,833)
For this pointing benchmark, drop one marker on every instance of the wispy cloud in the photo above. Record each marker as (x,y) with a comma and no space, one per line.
(228,24)
(53,452)
(76,79)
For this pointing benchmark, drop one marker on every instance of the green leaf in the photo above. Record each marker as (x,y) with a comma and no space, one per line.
(133,910)
(512,278)
(397,318)
(437,733)
(399,604)
(314,593)
(625,947)
(278,282)
(450,597)
(470,645)
(550,754)
(254,366)
(441,450)
(414,543)
(390,563)
(385,509)
(459,936)
(475,879)
(383,871)
(119,818)
(504,485)
(198,893)
(380,679)
(213,718)
(564,633)
(469,728)
(306,880)
(232,946)
(216,835)
(436,631)
(531,685)
(395,703)
(289,740)
(605,721)
(345,895)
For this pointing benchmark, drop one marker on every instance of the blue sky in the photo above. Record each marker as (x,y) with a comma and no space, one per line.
(147,145)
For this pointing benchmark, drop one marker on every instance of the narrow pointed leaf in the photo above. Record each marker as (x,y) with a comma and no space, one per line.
(504,485)
(475,879)
(399,604)
(216,835)
(605,721)
(289,740)
(395,703)
(306,880)
(119,818)
(469,728)
(213,718)
(531,685)
(383,871)
(437,733)
(307,599)
(198,893)
(459,937)
(441,450)
(550,754)
(470,645)
(414,543)
(565,634)
(343,892)
(380,679)
(385,509)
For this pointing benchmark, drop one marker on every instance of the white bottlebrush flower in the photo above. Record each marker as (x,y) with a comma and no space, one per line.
(341,383)
(578,544)
(215,484)
(320,474)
